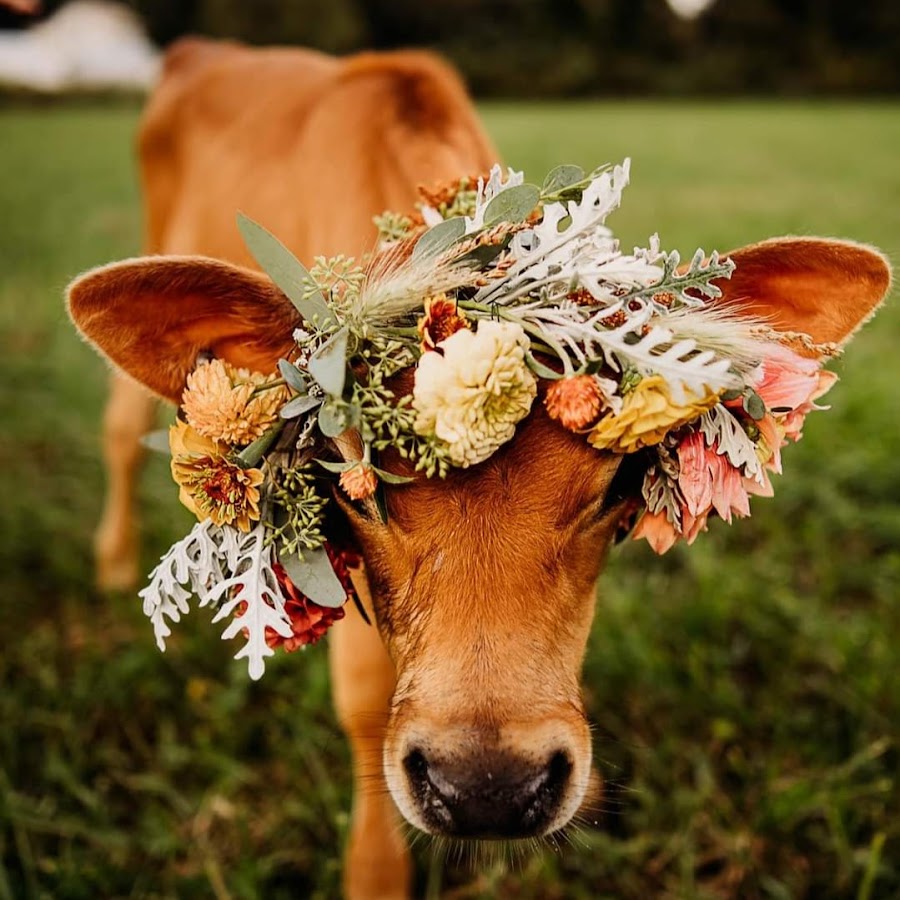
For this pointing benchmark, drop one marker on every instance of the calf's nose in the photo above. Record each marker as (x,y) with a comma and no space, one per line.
(490,795)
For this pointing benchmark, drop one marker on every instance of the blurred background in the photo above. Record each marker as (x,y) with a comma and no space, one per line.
(746,691)
(572,47)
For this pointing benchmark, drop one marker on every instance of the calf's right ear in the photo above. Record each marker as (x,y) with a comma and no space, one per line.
(152,317)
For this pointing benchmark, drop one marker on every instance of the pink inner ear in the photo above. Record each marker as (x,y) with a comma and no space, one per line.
(824,288)
(152,316)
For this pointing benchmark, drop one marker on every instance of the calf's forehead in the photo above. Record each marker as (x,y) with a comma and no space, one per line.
(545,474)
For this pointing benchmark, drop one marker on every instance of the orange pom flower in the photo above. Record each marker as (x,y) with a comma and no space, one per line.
(575,402)
(359,482)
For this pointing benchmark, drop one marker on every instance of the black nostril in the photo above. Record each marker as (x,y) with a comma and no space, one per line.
(540,802)
(416,765)
(559,769)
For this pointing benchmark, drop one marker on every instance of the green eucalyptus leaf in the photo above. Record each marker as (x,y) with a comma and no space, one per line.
(540,369)
(288,273)
(157,441)
(483,256)
(250,456)
(332,420)
(560,178)
(440,238)
(338,466)
(754,405)
(299,405)
(730,395)
(514,204)
(293,376)
(391,478)
(314,576)
(328,365)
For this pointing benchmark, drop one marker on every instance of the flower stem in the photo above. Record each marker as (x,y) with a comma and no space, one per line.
(278,382)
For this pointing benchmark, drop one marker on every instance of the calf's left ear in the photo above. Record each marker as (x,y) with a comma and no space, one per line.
(151,317)
(825,288)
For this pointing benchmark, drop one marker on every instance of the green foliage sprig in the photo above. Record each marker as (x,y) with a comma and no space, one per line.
(298,508)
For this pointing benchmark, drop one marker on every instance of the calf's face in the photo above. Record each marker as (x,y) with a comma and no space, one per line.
(483,583)
(483,587)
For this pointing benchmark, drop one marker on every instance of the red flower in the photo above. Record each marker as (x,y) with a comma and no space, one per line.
(309,621)
(442,319)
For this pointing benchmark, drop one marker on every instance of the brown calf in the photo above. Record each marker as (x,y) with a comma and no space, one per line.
(468,704)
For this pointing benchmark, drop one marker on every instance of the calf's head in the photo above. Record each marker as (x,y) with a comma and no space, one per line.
(482,583)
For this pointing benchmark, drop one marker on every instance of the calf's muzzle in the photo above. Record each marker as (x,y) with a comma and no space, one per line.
(490,795)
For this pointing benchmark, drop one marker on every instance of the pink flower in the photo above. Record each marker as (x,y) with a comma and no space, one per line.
(729,495)
(789,386)
(658,531)
(694,477)
(773,439)
(793,422)
(759,489)
(662,535)
(788,380)
(709,481)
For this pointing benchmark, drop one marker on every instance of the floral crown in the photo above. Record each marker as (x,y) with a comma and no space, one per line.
(492,285)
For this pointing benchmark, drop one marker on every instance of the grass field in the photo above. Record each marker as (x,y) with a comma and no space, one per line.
(746,693)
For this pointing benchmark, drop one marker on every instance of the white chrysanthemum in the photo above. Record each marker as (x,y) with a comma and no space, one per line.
(472,396)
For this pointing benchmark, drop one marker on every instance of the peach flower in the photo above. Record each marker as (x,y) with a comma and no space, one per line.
(657,530)
(662,534)
(229,404)
(359,482)
(575,402)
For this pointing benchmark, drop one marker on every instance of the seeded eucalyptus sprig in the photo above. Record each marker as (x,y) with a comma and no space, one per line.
(392,226)
(297,510)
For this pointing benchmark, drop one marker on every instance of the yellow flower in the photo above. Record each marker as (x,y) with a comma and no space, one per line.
(211,486)
(472,394)
(220,402)
(648,414)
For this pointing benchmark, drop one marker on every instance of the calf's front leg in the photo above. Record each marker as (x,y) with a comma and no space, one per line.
(129,415)
(376,861)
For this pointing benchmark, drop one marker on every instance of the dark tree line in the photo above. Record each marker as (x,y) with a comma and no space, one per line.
(583,47)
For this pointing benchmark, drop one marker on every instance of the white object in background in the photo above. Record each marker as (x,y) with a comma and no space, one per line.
(87,44)
(690,9)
